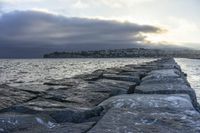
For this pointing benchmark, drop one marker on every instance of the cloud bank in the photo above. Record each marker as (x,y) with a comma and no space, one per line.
(31,34)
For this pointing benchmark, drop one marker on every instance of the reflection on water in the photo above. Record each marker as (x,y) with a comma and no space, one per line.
(41,70)
(192,68)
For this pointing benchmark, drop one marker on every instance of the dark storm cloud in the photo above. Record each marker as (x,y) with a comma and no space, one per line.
(31,34)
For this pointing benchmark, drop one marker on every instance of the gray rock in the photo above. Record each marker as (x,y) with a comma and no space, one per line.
(164,73)
(37,88)
(61,128)
(114,70)
(113,87)
(12,122)
(40,123)
(91,77)
(137,73)
(148,113)
(164,80)
(70,82)
(59,111)
(134,78)
(37,106)
(147,67)
(164,76)
(150,120)
(171,66)
(135,101)
(167,88)
(63,115)
(10,96)
(75,115)
(165,64)
(90,94)
(72,128)
(130,69)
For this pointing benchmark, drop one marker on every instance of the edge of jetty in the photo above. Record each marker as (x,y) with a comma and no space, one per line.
(147,98)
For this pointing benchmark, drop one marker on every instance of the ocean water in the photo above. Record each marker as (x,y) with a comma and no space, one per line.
(34,71)
(192,68)
(38,71)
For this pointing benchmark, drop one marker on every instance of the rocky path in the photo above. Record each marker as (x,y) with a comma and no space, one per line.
(146,98)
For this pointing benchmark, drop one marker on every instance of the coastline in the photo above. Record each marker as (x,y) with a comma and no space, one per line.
(128,53)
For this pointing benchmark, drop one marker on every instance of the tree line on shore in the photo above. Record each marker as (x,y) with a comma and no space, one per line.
(127,53)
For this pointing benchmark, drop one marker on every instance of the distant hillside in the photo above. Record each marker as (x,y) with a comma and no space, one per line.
(127,53)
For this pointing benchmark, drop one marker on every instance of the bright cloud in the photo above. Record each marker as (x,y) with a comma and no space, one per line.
(178,32)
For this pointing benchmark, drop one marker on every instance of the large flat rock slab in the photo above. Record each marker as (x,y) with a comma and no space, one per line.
(148,114)
(114,87)
(164,81)
(157,120)
(164,73)
(164,76)
(89,94)
(148,101)
(167,88)
(10,96)
(37,105)
(74,104)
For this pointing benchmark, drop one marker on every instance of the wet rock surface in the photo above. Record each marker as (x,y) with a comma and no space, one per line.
(10,96)
(61,128)
(135,101)
(148,113)
(156,120)
(11,122)
(167,88)
(149,97)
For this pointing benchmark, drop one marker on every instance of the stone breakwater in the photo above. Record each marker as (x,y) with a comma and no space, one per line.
(146,98)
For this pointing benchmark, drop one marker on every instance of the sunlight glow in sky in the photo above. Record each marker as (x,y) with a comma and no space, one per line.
(179,19)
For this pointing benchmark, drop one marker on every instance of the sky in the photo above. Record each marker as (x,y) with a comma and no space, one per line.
(31,28)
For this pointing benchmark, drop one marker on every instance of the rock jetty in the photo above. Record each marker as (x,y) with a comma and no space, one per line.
(146,98)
